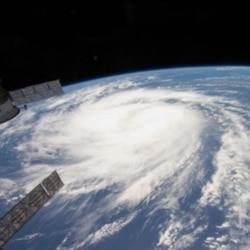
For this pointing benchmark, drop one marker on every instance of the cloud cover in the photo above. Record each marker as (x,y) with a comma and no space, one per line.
(123,150)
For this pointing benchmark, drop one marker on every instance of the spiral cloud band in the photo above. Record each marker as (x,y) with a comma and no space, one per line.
(166,158)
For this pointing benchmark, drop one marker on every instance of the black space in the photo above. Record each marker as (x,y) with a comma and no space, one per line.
(75,41)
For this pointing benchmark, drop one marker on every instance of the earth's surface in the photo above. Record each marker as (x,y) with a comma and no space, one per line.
(150,160)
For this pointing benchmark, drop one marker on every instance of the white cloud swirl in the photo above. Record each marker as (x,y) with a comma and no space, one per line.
(130,148)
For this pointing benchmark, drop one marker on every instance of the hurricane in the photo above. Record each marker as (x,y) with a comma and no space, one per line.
(150,160)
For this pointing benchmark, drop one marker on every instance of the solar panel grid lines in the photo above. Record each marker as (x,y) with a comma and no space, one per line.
(19,214)
(36,92)
(52,183)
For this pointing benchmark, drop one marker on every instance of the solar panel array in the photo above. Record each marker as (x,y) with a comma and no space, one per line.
(36,92)
(13,220)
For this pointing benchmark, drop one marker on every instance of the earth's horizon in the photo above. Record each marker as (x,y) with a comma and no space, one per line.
(156,159)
